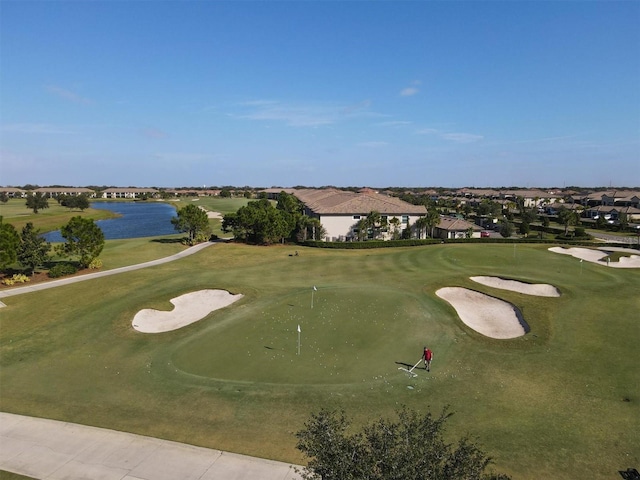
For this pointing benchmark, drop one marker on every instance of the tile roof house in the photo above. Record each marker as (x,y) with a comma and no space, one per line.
(57,191)
(611,213)
(13,192)
(339,211)
(452,227)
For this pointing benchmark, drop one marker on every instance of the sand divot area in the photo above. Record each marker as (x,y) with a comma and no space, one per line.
(211,214)
(537,289)
(596,256)
(486,315)
(189,308)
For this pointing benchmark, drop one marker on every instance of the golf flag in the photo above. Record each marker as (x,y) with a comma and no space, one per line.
(299,329)
(580,260)
(315,289)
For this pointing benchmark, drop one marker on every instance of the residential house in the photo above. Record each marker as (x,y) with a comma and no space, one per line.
(339,211)
(128,193)
(454,227)
(52,192)
(612,214)
(13,192)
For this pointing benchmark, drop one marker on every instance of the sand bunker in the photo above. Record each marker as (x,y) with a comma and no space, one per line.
(211,214)
(597,256)
(486,315)
(189,308)
(537,289)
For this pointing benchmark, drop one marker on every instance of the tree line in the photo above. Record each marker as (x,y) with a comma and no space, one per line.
(83,244)
(259,222)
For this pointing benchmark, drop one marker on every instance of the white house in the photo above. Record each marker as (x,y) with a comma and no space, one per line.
(71,191)
(453,227)
(339,211)
(129,192)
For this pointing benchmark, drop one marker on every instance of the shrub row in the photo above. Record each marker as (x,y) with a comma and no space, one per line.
(17,278)
(434,241)
(62,269)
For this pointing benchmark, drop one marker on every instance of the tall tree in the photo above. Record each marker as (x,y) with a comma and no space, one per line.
(309,228)
(567,217)
(33,251)
(413,447)
(395,227)
(421,226)
(78,202)
(84,239)
(194,221)
(432,220)
(506,228)
(260,222)
(37,201)
(9,243)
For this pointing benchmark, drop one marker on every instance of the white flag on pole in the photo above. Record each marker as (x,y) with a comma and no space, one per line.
(299,329)
(315,289)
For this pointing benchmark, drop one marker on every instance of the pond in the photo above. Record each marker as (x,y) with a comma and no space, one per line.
(138,219)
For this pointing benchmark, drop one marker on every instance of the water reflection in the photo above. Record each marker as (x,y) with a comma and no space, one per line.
(138,219)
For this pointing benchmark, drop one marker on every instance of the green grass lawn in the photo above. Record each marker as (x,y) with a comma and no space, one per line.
(561,402)
(49,219)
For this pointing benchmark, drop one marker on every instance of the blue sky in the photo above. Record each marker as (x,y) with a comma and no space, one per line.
(345,93)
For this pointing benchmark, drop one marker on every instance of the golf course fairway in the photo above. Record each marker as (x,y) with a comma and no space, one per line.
(333,328)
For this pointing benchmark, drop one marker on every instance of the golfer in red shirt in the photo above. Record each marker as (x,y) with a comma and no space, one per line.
(427,356)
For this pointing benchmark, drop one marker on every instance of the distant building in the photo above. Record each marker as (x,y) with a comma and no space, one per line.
(129,192)
(339,211)
(53,192)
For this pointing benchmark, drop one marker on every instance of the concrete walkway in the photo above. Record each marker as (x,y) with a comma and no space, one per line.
(81,278)
(52,450)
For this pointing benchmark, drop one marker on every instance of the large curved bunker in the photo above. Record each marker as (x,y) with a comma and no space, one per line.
(487,315)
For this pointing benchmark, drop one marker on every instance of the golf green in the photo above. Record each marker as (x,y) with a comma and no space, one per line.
(347,335)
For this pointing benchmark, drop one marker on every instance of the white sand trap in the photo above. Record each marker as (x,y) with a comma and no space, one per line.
(211,214)
(486,315)
(536,289)
(596,256)
(189,308)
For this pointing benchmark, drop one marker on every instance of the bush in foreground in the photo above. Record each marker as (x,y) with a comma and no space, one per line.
(61,270)
(411,448)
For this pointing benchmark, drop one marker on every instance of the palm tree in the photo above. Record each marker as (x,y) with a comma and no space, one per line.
(432,219)
(421,225)
(395,225)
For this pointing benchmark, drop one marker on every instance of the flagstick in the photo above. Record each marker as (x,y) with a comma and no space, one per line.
(298,339)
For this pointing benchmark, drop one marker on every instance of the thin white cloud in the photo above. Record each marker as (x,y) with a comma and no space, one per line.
(68,95)
(457,137)
(408,92)
(183,157)
(462,137)
(37,128)
(373,144)
(394,123)
(411,90)
(363,105)
(303,114)
(154,133)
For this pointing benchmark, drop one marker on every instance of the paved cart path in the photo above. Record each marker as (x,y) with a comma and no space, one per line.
(52,450)
(81,278)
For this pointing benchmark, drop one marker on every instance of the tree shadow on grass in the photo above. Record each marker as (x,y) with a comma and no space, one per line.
(167,240)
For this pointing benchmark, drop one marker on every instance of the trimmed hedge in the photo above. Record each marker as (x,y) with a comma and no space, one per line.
(62,269)
(436,241)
